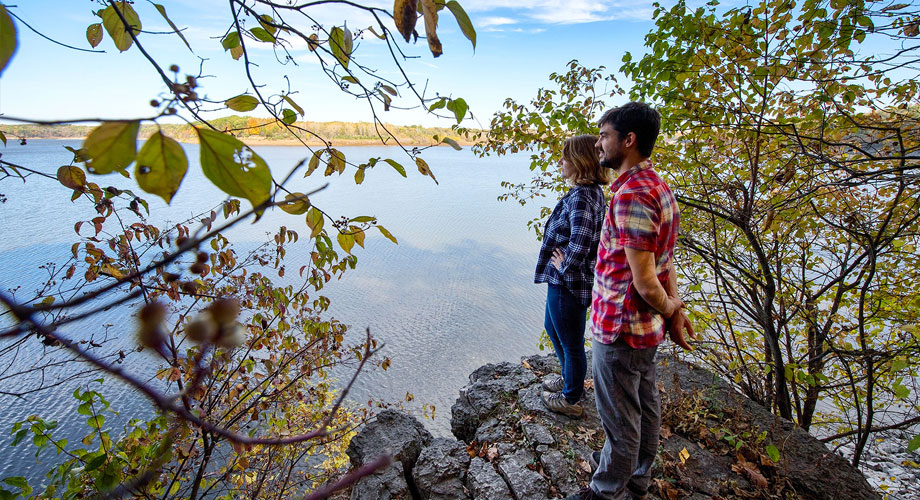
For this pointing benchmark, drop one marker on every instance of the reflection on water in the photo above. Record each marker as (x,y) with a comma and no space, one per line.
(455,293)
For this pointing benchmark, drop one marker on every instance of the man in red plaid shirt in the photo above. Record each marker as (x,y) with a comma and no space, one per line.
(634,303)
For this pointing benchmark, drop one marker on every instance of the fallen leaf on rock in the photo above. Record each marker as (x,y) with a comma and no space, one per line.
(665,432)
(589,384)
(492,453)
(472,449)
(666,490)
(749,471)
(525,364)
(584,465)
(684,455)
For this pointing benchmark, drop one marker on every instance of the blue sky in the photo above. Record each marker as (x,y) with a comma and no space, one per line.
(519,43)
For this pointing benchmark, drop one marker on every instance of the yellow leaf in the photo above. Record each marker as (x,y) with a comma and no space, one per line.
(430,11)
(405,17)
(161,166)
(111,146)
(684,455)
(116,27)
(8,42)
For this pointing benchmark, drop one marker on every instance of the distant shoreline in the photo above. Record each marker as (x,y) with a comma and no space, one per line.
(250,141)
(264,132)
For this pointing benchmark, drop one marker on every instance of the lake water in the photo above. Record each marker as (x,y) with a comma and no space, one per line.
(456,293)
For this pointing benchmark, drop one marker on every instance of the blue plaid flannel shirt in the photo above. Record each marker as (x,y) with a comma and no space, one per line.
(575,227)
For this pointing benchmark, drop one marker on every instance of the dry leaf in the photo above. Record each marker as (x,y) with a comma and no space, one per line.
(589,384)
(525,364)
(665,432)
(749,471)
(684,455)
(492,453)
(585,466)
(666,489)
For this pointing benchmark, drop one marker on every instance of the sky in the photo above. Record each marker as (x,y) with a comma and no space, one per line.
(519,43)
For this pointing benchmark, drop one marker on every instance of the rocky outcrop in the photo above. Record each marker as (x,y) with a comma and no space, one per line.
(716,444)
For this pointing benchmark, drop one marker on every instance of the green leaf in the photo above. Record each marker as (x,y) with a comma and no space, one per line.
(161,166)
(340,42)
(2,138)
(459,107)
(900,390)
(94,34)
(399,168)
(315,222)
(232,40)
(234,167)
(111,146)
(463,20)
(440,103)
(452,143)
(8,42)
(350,79)
(293,104)
(288,116)
(914,443)
(18,482)
(262,35)
(359,175)
(773,453)
(95,462)
(96,421)
(72,177)
(387,234)
(362,219)
(116,28)
(242,103)
(20,435)
(295,204)
(162,11)
(267,22)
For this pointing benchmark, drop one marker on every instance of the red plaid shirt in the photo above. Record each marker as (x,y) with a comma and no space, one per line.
(643,215)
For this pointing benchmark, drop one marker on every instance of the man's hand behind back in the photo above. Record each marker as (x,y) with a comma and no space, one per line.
(676,326)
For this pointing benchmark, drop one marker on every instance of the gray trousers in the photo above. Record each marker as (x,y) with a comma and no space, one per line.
(627,400)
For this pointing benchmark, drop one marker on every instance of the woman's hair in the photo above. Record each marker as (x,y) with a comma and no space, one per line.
(580,153)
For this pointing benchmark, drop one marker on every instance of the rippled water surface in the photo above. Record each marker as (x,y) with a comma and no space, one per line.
(455,293)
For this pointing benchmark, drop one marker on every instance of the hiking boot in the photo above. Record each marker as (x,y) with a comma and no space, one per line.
(553,383)
(584,494)
(556,402)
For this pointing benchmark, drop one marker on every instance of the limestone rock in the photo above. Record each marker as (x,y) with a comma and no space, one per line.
(485,483)
(391,433)
(386,484)
(524,482)
(440,472)
(489,387)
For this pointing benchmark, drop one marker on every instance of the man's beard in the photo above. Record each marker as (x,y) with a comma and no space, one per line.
(612,162)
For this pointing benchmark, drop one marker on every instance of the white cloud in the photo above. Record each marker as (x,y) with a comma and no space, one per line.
(558,11)
(494,21)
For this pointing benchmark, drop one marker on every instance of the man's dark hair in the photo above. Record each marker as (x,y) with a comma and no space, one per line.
(636,117)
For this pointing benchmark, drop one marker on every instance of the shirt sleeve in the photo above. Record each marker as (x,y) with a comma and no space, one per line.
(582,226)
(638,220)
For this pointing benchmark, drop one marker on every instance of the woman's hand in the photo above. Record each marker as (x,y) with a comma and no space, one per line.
(558,258)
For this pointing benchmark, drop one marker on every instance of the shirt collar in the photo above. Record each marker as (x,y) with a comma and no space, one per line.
(642,165)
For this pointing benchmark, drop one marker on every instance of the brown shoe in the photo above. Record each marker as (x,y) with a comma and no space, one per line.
(553,383)
(556,402)
(584,494)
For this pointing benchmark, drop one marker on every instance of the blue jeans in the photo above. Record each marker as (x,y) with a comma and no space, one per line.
(628,403)
(565,326)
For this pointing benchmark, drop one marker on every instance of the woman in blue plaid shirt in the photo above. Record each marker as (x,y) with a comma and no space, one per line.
(566,264)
